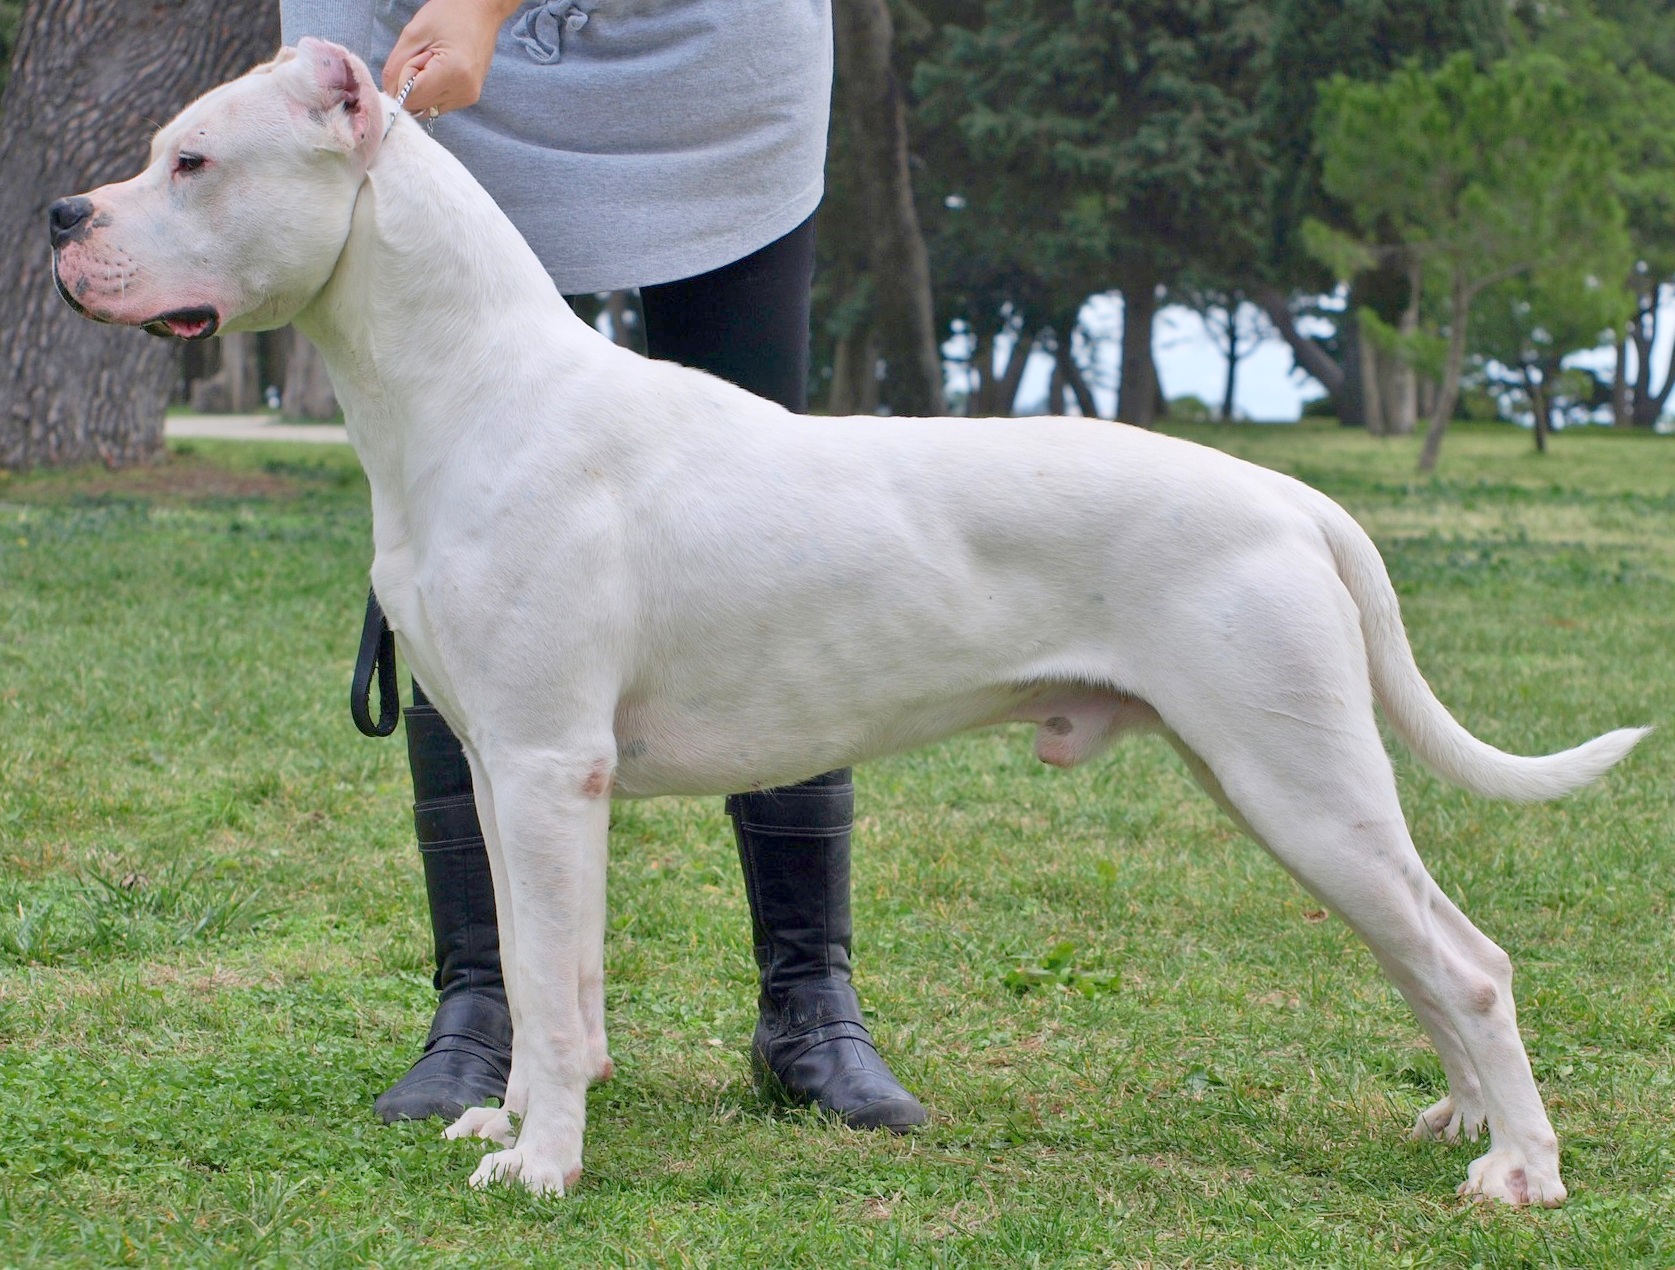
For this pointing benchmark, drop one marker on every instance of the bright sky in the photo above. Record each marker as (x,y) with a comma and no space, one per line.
(1189,363)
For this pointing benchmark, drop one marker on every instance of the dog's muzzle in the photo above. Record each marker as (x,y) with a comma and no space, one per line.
(68,221)
(187,324)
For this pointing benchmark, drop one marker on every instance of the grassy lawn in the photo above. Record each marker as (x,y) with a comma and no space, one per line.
(213,951)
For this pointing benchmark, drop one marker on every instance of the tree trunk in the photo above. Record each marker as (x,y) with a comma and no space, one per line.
(1234,353)
(1371,366)
(1397,398)
(854,374)
(1401,398)
(1536,388)
(1313,359)
(1078,384)
(308,391)
(1003,395)
(88,85)
(1401,401)
(1425,396)
(1137,387)
(980,384)
(1643,330)
(1349,402)
(1620,416)
(1055,386)
(840,393)
(867,92)
(1449,391)
(997,391)
(235,388)
(275,348)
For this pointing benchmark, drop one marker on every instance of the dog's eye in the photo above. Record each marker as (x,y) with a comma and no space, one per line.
(188,162)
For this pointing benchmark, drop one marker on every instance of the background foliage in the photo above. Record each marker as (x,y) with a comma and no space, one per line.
(1174,154)
(1178,154)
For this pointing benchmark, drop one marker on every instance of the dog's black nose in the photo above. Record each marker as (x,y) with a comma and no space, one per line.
(67,219)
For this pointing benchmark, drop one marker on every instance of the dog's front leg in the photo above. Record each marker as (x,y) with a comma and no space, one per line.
(551,810)
(496,1124)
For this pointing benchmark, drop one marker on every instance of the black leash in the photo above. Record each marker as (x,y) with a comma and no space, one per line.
(377,656)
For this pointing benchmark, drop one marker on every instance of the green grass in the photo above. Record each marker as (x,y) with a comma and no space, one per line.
(1140,1042)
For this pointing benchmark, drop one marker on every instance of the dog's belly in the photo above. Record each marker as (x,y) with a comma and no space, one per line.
(664,749)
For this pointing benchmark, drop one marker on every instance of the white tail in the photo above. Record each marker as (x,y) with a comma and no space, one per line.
(1420,720)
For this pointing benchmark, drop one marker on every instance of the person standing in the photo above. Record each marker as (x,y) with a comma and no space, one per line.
(677,148)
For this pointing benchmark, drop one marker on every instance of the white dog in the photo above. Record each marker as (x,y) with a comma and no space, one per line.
(619,577)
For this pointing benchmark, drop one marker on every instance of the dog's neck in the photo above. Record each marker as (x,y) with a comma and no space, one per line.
(433,278)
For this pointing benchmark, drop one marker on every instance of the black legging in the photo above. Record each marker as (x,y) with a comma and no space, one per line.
(746,322)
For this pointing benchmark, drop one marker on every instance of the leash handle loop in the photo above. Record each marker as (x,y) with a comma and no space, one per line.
(376,657)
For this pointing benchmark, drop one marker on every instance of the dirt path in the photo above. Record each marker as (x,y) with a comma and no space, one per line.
(252,428)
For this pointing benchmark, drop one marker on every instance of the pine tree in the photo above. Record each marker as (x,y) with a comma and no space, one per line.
(1089,145)
(1365,40)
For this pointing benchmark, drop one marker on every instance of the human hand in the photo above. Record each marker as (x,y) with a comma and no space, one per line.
(446,49)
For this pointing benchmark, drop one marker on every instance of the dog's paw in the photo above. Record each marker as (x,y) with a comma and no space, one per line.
(1507,1176)
(539,1175)
(493,1123)
(1449,1120)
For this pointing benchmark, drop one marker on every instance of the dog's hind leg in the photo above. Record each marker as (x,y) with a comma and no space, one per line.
(1461,1111)
(551,811)
(1321,797)
(1273,695)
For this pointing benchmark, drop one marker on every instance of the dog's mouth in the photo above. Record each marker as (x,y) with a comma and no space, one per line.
(186,324)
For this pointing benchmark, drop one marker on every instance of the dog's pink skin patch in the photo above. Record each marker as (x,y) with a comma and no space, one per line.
(1518,1183)
(339,77)
(338,85)
(598,781)
(1483,998)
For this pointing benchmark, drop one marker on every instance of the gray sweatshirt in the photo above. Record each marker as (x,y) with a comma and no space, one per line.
(632,141)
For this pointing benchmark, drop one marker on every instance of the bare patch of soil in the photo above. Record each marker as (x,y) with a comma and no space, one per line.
(175,478)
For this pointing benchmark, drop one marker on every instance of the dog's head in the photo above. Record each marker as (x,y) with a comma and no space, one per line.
(238,220)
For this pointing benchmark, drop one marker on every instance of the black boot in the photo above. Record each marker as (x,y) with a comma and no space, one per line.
(810,1040)
(468,1054)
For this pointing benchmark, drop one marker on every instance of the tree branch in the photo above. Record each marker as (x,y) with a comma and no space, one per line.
(1310,356)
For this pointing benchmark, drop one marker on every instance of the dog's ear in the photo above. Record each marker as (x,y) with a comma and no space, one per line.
(338,91)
